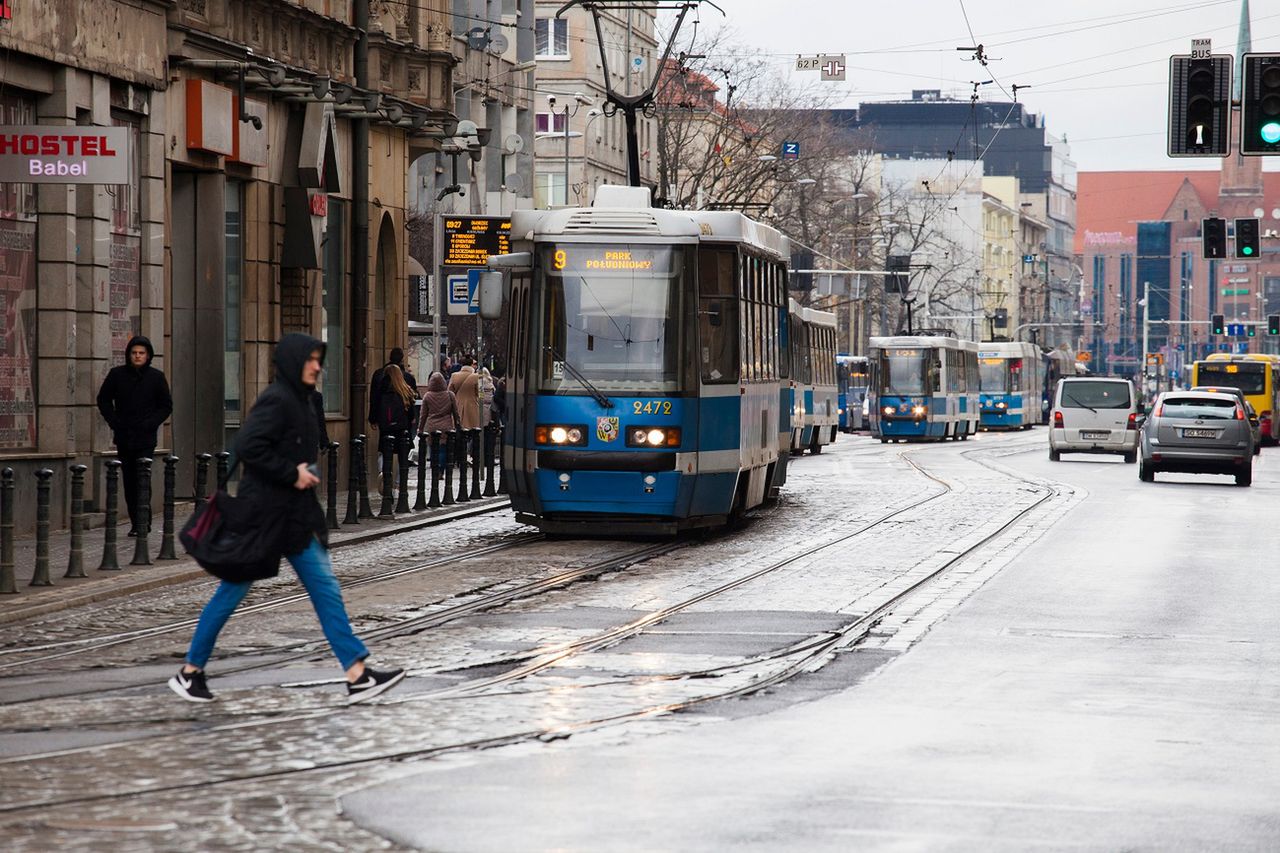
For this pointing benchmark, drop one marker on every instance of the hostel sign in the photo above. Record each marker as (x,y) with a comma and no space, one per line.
(46,154)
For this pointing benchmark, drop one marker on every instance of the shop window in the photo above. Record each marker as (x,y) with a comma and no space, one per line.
(17,297)
(334,320)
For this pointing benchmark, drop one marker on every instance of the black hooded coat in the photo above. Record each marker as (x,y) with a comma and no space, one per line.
(135,401)
(283,430)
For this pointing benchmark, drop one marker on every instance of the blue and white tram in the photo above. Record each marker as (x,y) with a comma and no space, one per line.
(923,388)
(821,395)
(1011,375)
(646,362)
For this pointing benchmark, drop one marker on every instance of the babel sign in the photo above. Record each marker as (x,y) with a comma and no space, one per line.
(45,154)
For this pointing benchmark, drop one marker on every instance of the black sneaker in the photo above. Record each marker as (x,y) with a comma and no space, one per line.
(191,686)
(372,683)
(133,531)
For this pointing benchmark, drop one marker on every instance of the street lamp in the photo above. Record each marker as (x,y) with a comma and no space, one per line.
(581,100)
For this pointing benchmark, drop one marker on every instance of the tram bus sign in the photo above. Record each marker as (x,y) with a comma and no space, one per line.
(470,240)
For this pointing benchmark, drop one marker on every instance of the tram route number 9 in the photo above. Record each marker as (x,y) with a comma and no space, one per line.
(651,407)
(558,259)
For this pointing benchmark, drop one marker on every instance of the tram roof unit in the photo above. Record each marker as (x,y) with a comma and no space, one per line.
(620,212)
(924,341)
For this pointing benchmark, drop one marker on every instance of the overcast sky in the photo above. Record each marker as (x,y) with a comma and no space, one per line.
(1097,69)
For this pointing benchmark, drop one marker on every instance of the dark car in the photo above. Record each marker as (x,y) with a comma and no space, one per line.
(1197,432)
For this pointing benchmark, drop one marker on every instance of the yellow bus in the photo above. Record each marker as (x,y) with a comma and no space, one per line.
(1256,374)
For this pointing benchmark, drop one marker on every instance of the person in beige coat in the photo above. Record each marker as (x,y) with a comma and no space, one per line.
(465,384)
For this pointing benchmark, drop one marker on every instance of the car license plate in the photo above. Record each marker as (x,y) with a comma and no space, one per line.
(1199,433)
(1095,436)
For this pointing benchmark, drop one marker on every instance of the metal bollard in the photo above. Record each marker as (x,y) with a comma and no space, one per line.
(366,511)
(75,562)
(202,478)
(403,443)
(490,444)
(353,482)
(421,502)
(43,489)
(170,486)
(224,468)
(331,481)
(141,547)
(460,445)
(387,446)
(435,470)
(475,464)
(8,584)
(448,468)
(110,561)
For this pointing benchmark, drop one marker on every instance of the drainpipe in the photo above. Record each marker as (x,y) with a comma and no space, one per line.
(360,229)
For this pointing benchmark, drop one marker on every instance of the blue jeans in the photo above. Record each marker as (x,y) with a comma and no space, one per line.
(316,573)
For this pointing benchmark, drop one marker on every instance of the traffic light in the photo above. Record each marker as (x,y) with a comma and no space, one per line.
(1218,324)
(1247,244)
(1214,233)
(1252,330)
(1260,104)
(1273,324)
(1199,106)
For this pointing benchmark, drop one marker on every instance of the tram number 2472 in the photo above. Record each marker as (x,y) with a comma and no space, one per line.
(651,407)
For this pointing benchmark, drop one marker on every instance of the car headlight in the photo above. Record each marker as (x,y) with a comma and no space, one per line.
(651,436)
(572,435)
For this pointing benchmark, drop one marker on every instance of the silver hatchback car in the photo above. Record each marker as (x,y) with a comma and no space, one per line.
(1199,432)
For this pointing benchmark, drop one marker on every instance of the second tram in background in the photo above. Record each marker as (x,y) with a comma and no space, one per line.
(1012,379)
(923,388)
(815,406)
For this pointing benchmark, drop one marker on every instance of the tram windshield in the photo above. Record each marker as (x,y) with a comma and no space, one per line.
(611,315)
(993,375)
(902,371)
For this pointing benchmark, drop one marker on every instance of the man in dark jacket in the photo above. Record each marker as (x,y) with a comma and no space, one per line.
(278,447)
(134,401)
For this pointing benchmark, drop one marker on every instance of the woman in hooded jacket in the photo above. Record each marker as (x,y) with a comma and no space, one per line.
(439,412)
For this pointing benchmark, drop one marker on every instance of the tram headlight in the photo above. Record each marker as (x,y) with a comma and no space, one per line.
(888,410)
(653,436)
(1002,405)
(919,411)
(570,435)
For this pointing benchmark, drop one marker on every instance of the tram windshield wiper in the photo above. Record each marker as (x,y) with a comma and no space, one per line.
(595,393)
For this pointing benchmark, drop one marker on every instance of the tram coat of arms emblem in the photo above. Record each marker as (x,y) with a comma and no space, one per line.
(606,428)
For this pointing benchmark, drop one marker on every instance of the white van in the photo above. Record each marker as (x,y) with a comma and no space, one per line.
(1093,414)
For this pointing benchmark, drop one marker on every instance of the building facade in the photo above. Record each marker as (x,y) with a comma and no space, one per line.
(237,223)
(579,144)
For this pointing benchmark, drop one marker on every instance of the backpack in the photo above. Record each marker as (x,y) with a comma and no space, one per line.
(393,414)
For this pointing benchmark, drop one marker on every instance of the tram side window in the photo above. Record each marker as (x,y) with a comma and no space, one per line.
(513,331)
(784,342)
(717,316)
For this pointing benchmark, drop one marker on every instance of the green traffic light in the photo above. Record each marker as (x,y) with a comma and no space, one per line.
(1270,132)
(1247,250)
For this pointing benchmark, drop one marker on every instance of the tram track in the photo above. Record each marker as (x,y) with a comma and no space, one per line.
(87,645)
(804,655)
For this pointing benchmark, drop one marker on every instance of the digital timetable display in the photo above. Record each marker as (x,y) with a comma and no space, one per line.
(470,240)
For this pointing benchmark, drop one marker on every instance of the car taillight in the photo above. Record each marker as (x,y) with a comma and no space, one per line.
(1266,414)
(1133,420)
(1159,410)
(1057,420)
(1239,413)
